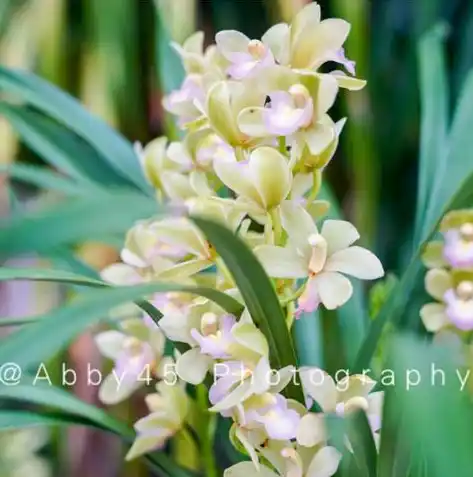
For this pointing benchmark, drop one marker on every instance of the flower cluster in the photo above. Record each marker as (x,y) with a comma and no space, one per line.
(450,277)
(257,139)
(20,453)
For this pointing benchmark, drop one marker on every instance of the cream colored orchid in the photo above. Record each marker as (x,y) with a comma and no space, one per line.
(225,101)
(197,61)
(308,43)
(184,102)
(224,211)
(261,183)
(168,410)
(246,57)
(322,256)
(300,112)
(322,462)
(20,452)
(137,356)
(455,295)
(350,394)
(178,233)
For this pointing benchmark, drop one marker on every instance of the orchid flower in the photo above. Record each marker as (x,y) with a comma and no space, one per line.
(321,257)
(454,293)
(246,56)
(136,358)
(321,462)
(168,410)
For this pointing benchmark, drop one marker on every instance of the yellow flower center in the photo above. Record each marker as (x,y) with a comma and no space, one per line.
(300,95)
(256,49)
(319,253)
(133,346)
(465,290)
(209,324)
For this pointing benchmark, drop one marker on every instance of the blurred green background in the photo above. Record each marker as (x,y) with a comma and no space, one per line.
(114,56)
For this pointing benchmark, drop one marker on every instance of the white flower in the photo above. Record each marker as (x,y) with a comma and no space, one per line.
(168,410)
(350,394)
(321,462)
(245,56)
(261,183)
(135,358)
(322,257)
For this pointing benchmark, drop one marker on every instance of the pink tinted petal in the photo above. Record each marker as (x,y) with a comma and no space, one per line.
(339,57)
(216,347)
(280,422)
(309,301)
(129,367)
(229,376)
(457,252)
(282,118)
(459,312)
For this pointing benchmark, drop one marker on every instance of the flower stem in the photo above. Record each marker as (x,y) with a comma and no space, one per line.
(294,296)
(282,145)
(207,432)
(317,182)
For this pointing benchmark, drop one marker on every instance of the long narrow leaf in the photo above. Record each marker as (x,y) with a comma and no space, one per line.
(59,105)
(435,111)
(257,291)
(61,148)
(94,217)
(44,178)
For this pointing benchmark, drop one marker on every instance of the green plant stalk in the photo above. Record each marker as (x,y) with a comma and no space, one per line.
(208,426)
(358,139)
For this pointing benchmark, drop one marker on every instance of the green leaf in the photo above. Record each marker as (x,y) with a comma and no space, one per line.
(258,294)
(113,147)
(55,330)
(437,413)
(60,400)
(94,217)
(46,275)
(61,148)
(43,178)
(435,118)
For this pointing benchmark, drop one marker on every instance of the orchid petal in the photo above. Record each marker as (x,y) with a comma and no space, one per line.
(334,289)
(357,262)
(339,235)
(434,316)
(437,282)
(281,262)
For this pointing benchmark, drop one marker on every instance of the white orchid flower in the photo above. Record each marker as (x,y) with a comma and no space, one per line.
(180,233)
(297,108)
(454,292)
(350,394)
(322,257)
(135,359)
(261,183)
(323,462)
(308,43)
(168,410)
(246,56)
